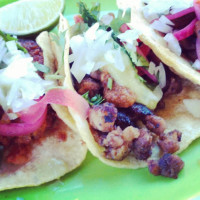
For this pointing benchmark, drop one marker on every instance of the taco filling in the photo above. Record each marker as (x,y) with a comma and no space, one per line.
(27,120)
(125,84)
(178,23)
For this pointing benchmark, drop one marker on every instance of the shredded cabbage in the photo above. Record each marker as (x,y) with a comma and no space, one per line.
(93,50)
(20,84)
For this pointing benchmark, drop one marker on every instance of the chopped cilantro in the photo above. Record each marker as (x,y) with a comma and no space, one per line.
(7,37)
(110,83)
(120,20)
(90,16)
(41,68)
(95,100)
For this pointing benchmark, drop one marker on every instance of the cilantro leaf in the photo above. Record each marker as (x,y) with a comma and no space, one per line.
(95,100)
(41,68)
(120,20)
(90,16)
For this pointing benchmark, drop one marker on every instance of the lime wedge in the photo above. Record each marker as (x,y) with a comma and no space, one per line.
(29,16)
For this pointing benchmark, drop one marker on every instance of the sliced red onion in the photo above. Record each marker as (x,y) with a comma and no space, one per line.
(197,8)
(33,118)
(19,129)
(142,71)
(68,98)
(180,14)
(143,50)
(186,32)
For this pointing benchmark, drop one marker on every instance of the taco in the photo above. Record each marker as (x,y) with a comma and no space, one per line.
(38,138)
(140,111)
(172,31)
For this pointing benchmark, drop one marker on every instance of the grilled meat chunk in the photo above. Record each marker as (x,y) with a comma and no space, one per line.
(102,117)
(120,96)
(169,142)
(142,146)
(89,84)
(168,165)
(117,143)
(155,124)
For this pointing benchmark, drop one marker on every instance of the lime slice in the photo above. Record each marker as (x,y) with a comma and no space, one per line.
(29,16)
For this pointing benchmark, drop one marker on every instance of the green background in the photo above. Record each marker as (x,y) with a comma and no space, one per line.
(96,181)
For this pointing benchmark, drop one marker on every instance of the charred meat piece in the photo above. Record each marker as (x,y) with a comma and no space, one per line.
(119,95)
(117,143)
(102,117)
(142,146)
(155,124)
(98,136)
(139,110)
(169,165)
(169,143)
(96,75)
(174,86)
(89,84)
(33,49)
(123,120)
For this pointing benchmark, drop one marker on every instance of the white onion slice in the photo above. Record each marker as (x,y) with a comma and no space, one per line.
(196,64)
(12,46)
(130,37)
(162,76)
(173,44)
(162,25)
(165,20)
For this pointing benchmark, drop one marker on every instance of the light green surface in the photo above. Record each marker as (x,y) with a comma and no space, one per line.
(96,181)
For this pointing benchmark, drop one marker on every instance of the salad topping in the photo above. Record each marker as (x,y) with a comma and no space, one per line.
(122,80)
(178,21)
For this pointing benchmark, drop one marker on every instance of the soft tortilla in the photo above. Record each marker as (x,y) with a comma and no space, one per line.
(50,160)
(175,114)
(156,42)
(53,157)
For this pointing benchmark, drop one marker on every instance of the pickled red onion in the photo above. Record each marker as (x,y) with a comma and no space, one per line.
(143,50)
(33,118)
(187,31)
(19,129)
(142,71)
(181,13)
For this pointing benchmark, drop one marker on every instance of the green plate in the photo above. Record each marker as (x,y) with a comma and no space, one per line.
(96,181)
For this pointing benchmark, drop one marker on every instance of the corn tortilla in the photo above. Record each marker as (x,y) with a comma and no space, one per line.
(175,115)
(53,157)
